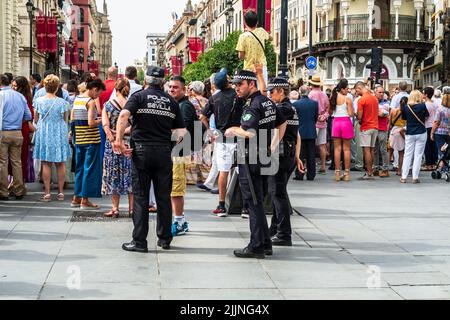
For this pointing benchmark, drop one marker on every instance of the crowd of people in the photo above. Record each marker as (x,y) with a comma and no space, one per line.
(119,138)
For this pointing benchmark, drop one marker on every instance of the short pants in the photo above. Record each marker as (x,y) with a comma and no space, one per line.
(342,128)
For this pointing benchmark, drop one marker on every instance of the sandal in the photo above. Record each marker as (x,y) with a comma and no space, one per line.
(152,209)
(337,175)
(130,213)
(347,176)
(46,197)
(76,202)
(113,213)
(89,206)
(60,196)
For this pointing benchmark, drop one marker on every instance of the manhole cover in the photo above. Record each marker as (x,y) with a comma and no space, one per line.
(96,216)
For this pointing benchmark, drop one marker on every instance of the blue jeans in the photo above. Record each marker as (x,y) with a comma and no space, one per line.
(88,171)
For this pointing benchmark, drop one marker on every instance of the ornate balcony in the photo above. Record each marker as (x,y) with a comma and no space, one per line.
(360,32)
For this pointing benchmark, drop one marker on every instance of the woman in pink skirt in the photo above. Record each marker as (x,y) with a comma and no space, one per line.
(342,131)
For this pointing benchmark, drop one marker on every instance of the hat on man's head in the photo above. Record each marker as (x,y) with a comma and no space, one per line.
(244,75)
(157,72)
(220,79)
(278,82)
(315,81)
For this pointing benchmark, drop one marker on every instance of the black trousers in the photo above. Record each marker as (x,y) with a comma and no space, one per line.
(152,164)
(281,218)
(308,155)
(259,229)
(431,152)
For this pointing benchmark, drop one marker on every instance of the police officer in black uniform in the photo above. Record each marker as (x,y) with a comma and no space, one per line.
(289,157)
(155,116)
(259,117)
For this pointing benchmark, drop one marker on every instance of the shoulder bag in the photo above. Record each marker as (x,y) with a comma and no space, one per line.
(33,138)
(415,115)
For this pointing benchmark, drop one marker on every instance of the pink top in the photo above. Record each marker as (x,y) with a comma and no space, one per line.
(431,107)
(318,95)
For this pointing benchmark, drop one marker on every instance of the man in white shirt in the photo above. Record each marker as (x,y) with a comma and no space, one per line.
(395,102)
(131,75)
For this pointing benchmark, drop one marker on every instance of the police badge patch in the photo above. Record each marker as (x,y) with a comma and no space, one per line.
(246,117)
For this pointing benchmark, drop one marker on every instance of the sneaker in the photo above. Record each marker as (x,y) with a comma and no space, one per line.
(220,212)
(177,229)
(215,191)
(203,187)
(244,214)
(185,226)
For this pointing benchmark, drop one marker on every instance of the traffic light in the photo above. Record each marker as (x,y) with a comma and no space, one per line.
(377,59)
(376,64)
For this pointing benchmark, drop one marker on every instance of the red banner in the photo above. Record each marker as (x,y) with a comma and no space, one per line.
(52,35)
(195,48)
(94,67)
(248,5)
(71,57)
(176,65)
(268,15)
(41,33)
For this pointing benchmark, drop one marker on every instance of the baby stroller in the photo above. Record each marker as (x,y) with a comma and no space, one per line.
(443,165)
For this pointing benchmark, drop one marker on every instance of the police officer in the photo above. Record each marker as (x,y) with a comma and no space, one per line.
(259,117)
(155,116)
(289,156)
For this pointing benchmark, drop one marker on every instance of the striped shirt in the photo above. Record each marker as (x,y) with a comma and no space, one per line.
(84,134)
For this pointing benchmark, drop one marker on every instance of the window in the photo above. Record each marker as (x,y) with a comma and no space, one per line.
(81,34)
(81,15)
(153,51)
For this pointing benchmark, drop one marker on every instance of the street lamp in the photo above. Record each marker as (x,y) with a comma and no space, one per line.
(59,50)
(181,59)
(229,13)
(30,10)
(203,35)
(71,56)
(81,59)
(283,67)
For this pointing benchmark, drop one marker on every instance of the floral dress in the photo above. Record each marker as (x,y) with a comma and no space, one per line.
(51,143)
(116,168)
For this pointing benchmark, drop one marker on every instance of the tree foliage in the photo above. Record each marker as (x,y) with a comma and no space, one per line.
(223,55)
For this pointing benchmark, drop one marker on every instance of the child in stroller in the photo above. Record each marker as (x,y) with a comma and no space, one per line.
(443,164)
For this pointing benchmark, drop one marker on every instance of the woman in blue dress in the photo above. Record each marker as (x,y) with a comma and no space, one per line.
(116,168)
(51,143)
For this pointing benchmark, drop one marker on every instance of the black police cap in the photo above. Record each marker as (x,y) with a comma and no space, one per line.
(278,82)
(157,72)
(244,75)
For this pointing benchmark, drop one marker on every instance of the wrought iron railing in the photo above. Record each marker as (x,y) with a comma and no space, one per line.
(360,31)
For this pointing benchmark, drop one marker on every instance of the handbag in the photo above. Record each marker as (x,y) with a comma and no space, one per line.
(33,138)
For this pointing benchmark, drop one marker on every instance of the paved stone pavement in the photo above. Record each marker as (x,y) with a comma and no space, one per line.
(358,240)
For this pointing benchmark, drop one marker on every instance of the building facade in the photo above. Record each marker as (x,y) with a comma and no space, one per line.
(343,33)
(104,42)
(10,36)
(155,48)
(432,71)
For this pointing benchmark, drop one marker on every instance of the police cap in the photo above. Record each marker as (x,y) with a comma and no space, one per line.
(244,75)
(157,72)
(278,82)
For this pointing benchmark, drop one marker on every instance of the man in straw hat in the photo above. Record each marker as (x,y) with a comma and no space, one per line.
(318,95)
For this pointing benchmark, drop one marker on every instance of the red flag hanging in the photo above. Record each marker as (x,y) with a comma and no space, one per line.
(41,33)
(268,15)
(94,67)
(71,57)
(176,66)
(52,35)
(248,5)
(75,57)
(195,48)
